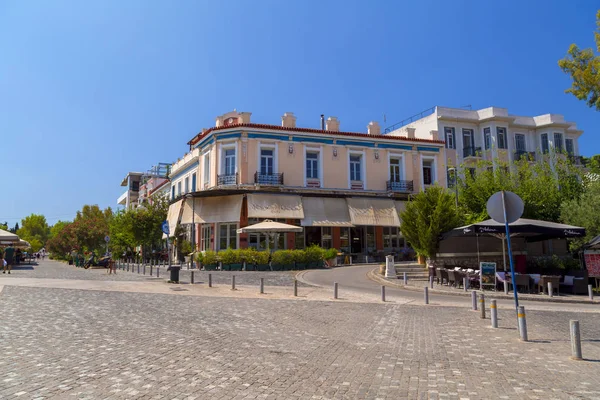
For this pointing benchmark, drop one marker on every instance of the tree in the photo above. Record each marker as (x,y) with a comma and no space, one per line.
(58,227)
(34,228)
(584,68)
(90,226)
(63,240)
(4,226)
(585,212)
(427,215)
(15,229)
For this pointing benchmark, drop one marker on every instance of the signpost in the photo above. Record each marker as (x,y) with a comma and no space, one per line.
(107,239)
(488,274)
(166,231)
(507,207)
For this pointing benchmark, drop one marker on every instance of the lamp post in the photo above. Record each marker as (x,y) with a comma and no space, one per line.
(455,185)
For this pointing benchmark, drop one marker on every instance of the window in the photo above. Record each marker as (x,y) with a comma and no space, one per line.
(370,233)
(179,188)
(487,135)
(392,239)
(227,236)
(193,182)
(569,146)
(449,134)
(267,161)
(229,167)
(451,177)
(135,186)
(173,192)
(427,172)
(395,172)
(187,184)
(519,143)
(355,167)
(258,241)
(206,170)
(558,142)
(205,240)
(501,138)
(545,143)
(312,165)
(326,237)
(468,138)
(345,240)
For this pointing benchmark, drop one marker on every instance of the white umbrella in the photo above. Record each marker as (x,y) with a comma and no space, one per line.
(23,244)
(270,227)
(6,236)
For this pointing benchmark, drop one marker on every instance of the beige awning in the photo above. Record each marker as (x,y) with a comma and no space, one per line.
(6,236)
(373,212)
(218,209)
(269,226)
(321,211)
(187,216)
(275,206)
(400,207)
(173,216)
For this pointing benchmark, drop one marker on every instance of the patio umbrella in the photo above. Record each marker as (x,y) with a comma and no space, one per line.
(270,228)
(22,244)
(7,237)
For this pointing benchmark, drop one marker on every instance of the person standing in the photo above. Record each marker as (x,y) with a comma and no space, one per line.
(9,254)
(18,255)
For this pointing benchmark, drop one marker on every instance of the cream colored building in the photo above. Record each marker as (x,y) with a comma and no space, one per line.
(344,188)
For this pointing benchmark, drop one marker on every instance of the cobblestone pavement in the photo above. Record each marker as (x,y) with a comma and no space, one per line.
(59,343)
(57,270)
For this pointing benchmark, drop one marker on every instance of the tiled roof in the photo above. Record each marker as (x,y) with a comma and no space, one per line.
(202,135)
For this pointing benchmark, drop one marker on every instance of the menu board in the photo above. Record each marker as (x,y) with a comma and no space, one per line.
(592,263)
(488,274)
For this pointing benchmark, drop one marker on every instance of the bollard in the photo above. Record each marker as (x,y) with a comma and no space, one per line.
(145,269)
(575,340)
(232,282)
(591,292)
(383,293)
(192,278)
(465,283)
(550,290)
(405,278)
(474,300)
(157,272)
(505,287)
(431,282)
(209,280)
(522,323)
(262,285)
(482,305)
(426,295)
(295,288)
(127,266)
(335,290)
(494,313)
(151,270)
(138,268)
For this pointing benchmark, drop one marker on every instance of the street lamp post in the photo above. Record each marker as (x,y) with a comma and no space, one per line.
(455,185)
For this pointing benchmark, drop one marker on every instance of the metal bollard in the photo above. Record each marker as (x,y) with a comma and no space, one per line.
(209,280)
(138,268)
(550,290)
(335,290)
(383,293)
(145,269)
(405,278)
(575,340)
(426,294)
(494,313)
(262,285)
(232,282)
(591,292)
(431,282)
(465,283)
(127,266)
(505,287)
(482,305)
(157,272)
(151,270)
(522,323)
(474,300)
(192,278)
(295,288)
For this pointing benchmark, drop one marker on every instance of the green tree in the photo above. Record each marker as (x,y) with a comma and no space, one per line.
(90,226)
(4,226)
(585,212)
(34,228)
(16,228)
(58,227)
(427,215)
(584,68)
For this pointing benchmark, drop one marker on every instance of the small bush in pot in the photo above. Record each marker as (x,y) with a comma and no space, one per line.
(262,260)
(209,260)
(330,256)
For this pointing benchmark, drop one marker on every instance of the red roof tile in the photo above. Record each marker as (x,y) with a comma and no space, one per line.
(202,135)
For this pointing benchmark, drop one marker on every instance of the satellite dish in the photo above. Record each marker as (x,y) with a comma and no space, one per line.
(504,200)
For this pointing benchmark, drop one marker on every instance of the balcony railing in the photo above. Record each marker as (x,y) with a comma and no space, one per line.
(223,180)
(471,152)
(268,179)
(529,155)
(400,186)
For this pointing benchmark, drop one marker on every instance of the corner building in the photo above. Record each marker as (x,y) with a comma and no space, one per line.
(344,188)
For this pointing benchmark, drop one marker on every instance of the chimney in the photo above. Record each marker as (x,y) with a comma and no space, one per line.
(373,128)
(333,124)
(434,135)
(288,120)
(410,133)
(322,122)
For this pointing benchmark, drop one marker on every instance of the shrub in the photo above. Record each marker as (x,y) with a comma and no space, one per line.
(230,256)
(200,257)
(247,255)
(314,254)
(209,258)
(283,257)
(185,247)
(262,257)
(330,254)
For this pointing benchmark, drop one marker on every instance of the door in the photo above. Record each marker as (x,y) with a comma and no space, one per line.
(357,240)
(468,139)
(266,162)
(520,143)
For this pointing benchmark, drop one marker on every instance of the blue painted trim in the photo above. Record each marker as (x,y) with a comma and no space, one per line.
(311,140)
(394,146)
(229,136)
(185,171)
(267,136)
(353,143)
(434,149)
(208,141)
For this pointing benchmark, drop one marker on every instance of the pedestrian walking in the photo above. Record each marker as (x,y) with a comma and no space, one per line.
(18,255)
(9,255)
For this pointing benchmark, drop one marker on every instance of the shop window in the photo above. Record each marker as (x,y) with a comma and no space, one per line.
(392,239)
(345,240)
(227,236)
(205,240)
(326,237)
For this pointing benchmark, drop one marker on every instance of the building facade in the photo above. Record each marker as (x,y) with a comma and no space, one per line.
(344,188)
(129,198)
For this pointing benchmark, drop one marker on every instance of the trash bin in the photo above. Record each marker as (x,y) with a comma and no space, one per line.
(174,274)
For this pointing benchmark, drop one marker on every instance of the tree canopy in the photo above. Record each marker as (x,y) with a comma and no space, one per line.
(584,68)
(35,230)
(584,211)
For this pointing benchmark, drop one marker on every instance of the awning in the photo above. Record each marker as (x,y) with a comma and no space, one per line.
(275,206)
(6,236)
(320,211)
(173,216)
(400,207)
(373,212)
(269,226)
(218,209)
(533,229)
(187,216)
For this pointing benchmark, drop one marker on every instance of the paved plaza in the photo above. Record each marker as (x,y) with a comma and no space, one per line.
(90,344)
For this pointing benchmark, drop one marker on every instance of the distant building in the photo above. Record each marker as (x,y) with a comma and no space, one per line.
(142,187)
(129,199)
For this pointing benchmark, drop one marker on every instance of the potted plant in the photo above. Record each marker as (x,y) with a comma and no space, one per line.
(248,258)
(185,248)
(300,258)
(199,259)
(315,256)
(230,260)
(209,260)
(283,260)
(330,257)
(262,260)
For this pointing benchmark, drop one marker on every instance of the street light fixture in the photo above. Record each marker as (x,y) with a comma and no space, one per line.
(455,185)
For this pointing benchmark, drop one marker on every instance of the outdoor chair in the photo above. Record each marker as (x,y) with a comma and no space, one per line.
(521,281)
(574,285)
(442,273)
(543,284)
(458,278)
(451,278)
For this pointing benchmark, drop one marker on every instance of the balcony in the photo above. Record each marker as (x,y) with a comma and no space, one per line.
(529,155)
(400,186)
(471,152)
(268,179)
(224,180)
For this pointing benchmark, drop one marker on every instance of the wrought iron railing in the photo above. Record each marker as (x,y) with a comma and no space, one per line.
(268,179)
(223,180)
(471,151)
(529,155)
(400,186)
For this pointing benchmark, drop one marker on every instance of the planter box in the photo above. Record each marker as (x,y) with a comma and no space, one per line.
(210,267)
(302,266)
(278,267)
(263,267)
(251,267)
(235,267)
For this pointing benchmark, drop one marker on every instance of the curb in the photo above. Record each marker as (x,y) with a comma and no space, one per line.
(372,275)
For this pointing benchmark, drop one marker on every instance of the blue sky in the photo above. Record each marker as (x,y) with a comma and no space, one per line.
(92,89)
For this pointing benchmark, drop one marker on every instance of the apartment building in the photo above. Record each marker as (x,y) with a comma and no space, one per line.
(344,188)
(143,187)
(492,133)
(129,198)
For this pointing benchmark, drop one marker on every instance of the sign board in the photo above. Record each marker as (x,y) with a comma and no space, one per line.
(499,201)
(165,228)
(488,274)
(107,238)
(592,263)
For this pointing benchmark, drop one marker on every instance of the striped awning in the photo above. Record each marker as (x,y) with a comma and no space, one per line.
(372,212)
(322,211)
